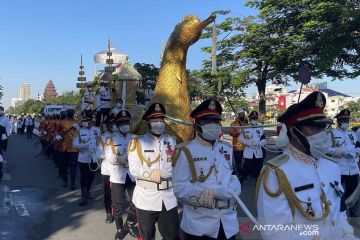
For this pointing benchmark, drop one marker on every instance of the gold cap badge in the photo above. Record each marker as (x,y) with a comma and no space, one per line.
(319,101)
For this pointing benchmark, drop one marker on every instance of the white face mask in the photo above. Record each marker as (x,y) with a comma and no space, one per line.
(124,129)
(157,127)
(211,131)
(254,122)
(344,125)
(319,144)
(85,124)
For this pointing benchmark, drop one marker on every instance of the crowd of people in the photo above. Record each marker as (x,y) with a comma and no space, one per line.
(313,180)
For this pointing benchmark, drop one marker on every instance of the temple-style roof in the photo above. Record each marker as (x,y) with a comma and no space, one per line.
(128,72)
(118,57)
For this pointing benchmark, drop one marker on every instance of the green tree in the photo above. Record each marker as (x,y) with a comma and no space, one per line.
(287,34)
(1,93)
(354,108)
(149,75)
(68,98)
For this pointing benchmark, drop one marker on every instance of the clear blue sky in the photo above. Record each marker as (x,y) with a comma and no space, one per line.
(43,39)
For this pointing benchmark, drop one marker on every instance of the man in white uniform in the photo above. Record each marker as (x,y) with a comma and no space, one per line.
(302,187)
(150,163)
(86,142)
(253,138)
(203,179)
(122,181)
(345,150)
(88,101)
(5,122)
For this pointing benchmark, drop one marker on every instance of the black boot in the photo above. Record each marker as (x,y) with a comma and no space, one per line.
(65,182)
(131,228)
(120,231)
(109,218)
(83,201)
(89,196)
(72,186)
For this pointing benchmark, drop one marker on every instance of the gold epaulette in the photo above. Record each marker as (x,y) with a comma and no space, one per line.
(226,143)
(177,152)
(278,160)
(168,135)
(132,144)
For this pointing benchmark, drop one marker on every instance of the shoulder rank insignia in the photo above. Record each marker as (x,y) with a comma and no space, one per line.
(279,160)
(132,144)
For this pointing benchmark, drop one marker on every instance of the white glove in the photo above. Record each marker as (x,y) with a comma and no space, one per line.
(223,193)
(155,175)
(206,198)
(76,126)
(58,138)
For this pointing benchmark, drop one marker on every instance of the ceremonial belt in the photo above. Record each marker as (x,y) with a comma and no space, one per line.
(125,165)
(147,184)
(105,100)
(218,204)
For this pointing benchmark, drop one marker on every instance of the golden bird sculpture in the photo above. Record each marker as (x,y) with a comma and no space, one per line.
(172,85)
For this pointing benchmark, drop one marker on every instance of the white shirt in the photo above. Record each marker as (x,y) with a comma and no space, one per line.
(302,170)
(29,122)
(87,102)
(5,121)
(85,141)
(200,221)
(105,164)
(118,162)
(344,142)
(253,138)
(103,98)
(151,148)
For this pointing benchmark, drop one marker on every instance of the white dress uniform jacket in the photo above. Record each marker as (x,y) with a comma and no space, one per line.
(157,150)
(86,142)
(117,155)
(87,101)
(105,163)
(5,121)
(344,146)
(253,138)
(29,122)
(308,178)
(216,160)
(104,98)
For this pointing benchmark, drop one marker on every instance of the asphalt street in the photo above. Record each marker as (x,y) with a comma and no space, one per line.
(34,206)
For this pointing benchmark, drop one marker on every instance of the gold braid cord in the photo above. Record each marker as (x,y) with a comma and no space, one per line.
(141,156)
(190,159)
(285,187)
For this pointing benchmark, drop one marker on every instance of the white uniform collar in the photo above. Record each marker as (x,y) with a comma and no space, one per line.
(300,156)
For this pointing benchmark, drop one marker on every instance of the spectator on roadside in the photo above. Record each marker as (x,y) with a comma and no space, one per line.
(29,123)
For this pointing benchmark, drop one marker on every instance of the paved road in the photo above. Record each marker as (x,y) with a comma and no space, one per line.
(52,210)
